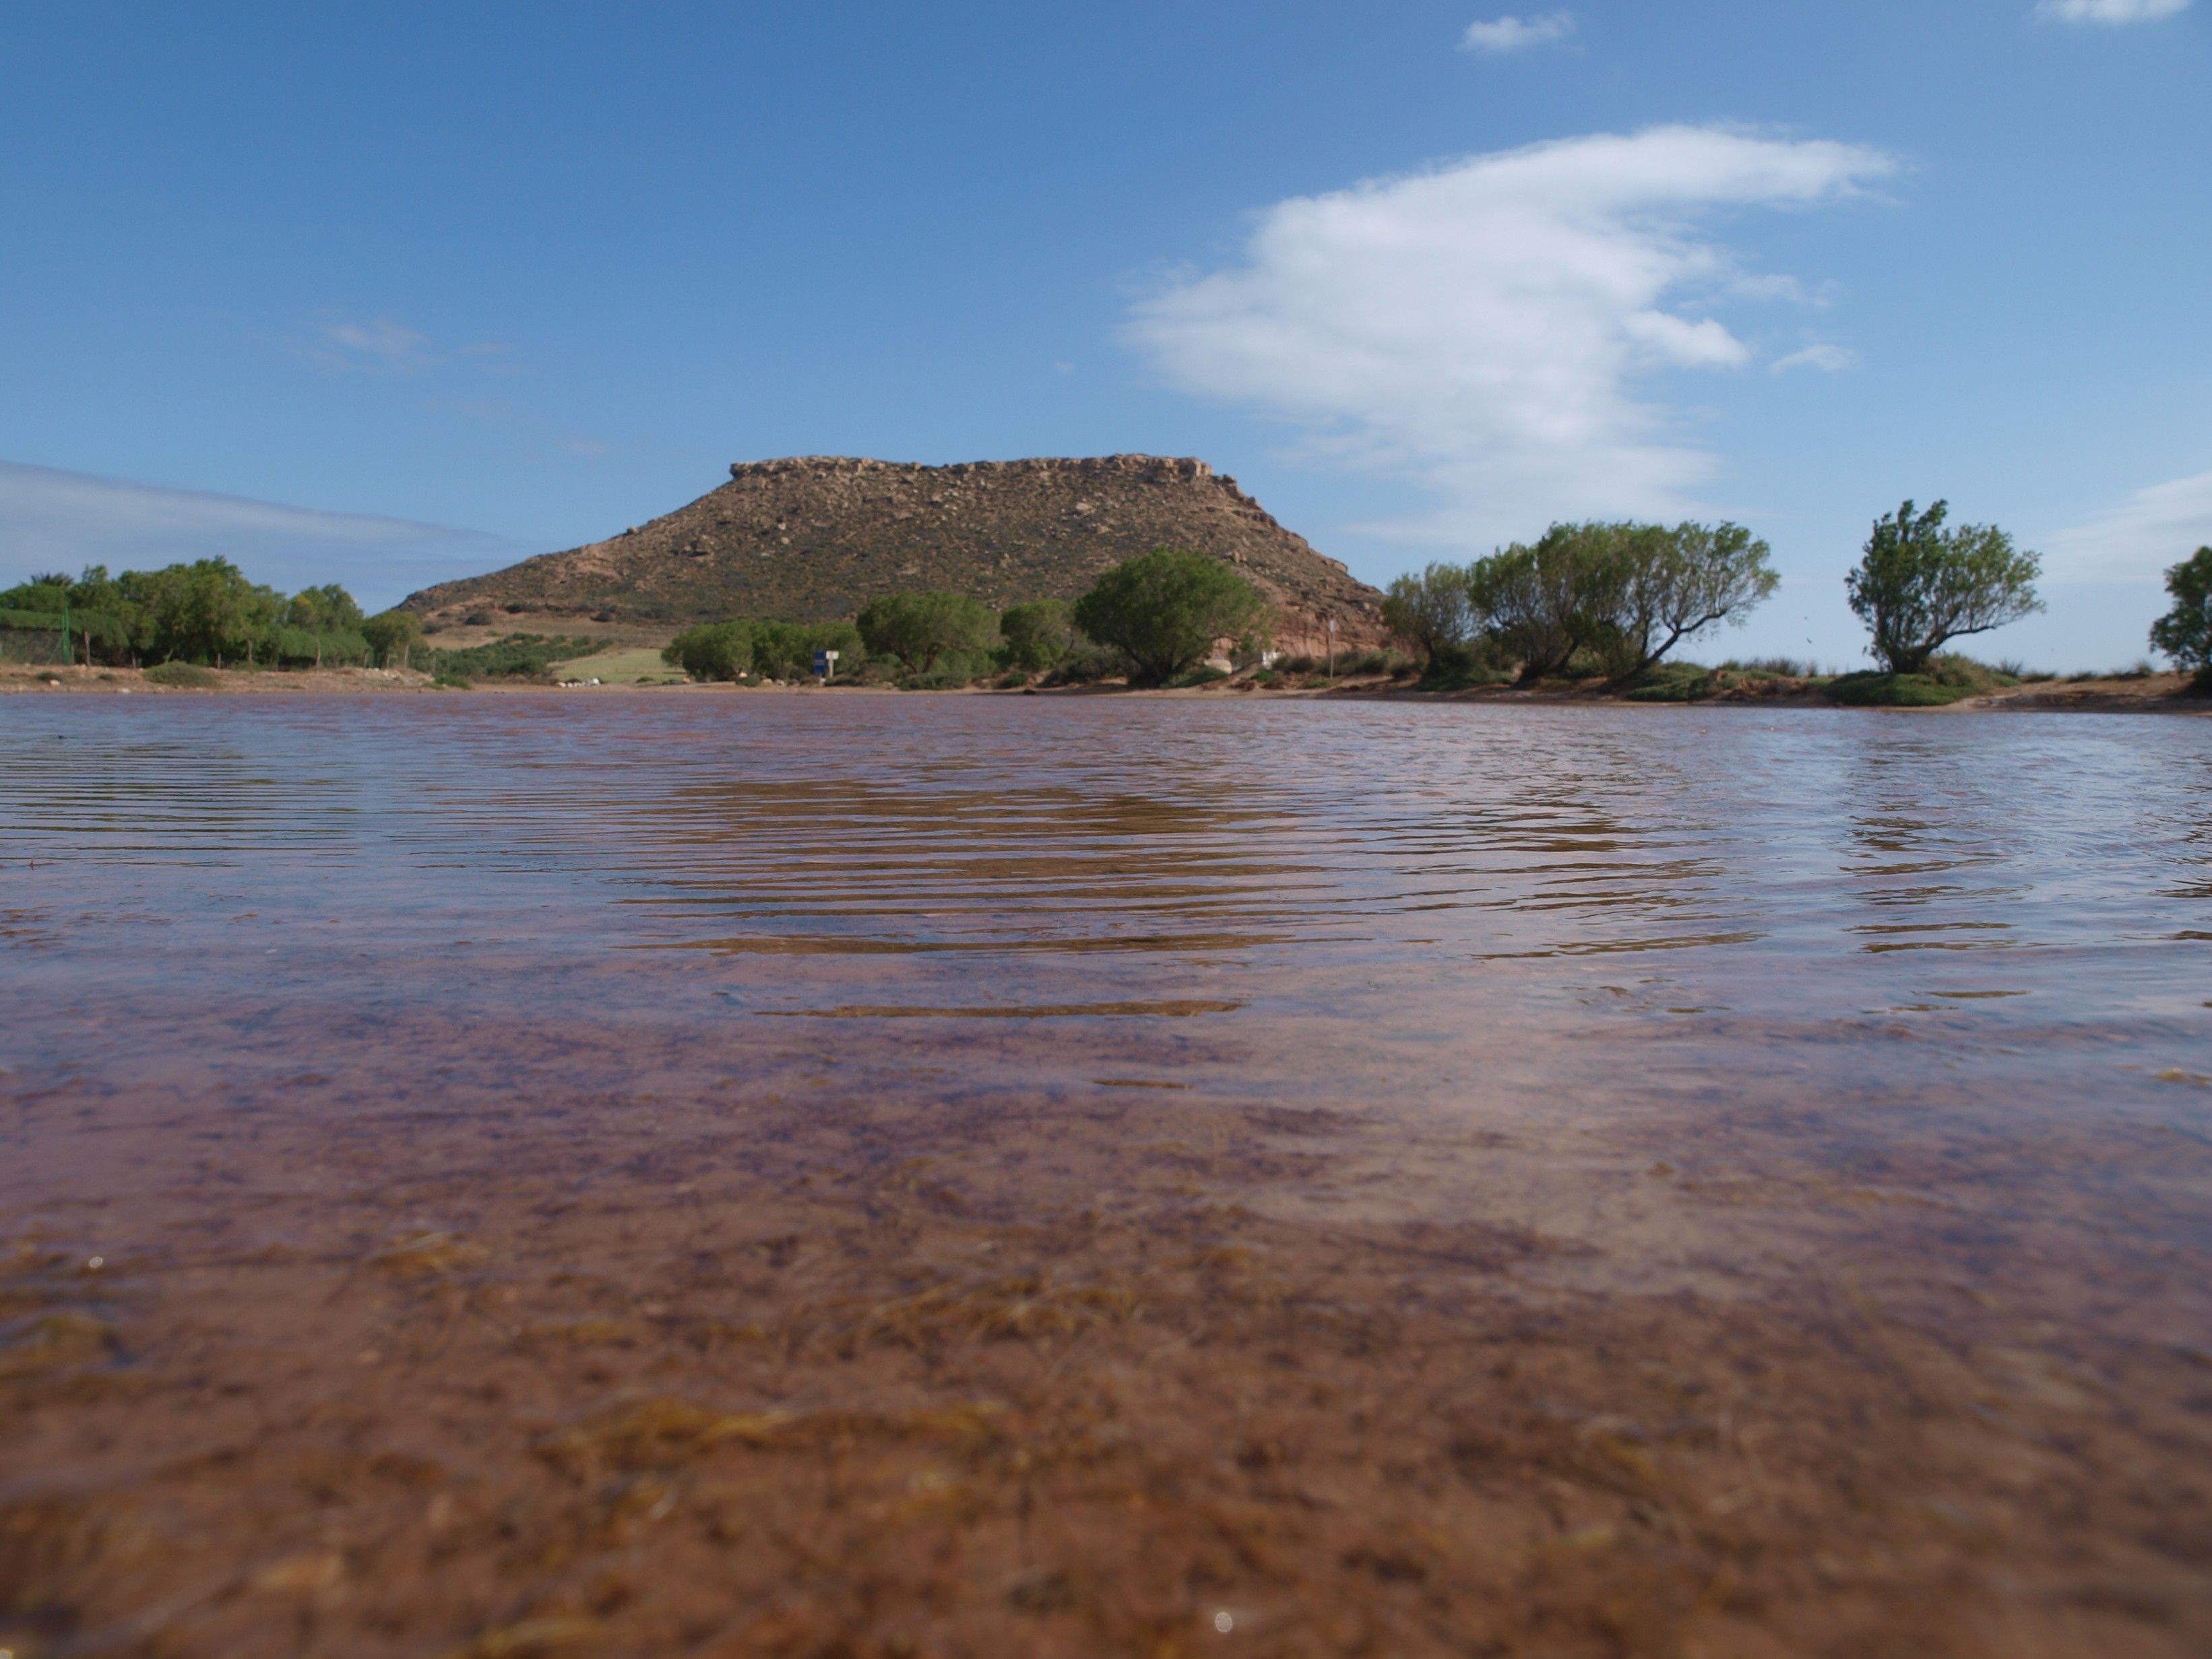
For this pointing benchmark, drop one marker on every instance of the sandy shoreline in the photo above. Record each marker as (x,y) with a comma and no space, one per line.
(2165,693)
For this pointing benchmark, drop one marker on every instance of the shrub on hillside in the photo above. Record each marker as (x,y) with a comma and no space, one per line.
(1165,610)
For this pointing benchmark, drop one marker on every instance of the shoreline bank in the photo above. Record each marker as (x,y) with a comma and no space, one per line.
(2164,694)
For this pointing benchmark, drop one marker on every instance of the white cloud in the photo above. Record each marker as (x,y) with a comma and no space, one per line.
(1482,326)
(2137,540)
(1829,359)
(2109,11)
(55,520)
(1506,34)
(378,346)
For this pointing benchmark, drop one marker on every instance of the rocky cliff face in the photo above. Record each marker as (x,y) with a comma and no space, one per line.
(816,538)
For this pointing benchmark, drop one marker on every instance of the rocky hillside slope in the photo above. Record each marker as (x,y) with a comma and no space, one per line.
(816,538)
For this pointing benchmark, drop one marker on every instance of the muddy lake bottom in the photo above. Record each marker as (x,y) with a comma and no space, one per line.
(947,1177)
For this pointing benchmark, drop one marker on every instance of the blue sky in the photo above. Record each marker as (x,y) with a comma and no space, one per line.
(388,293)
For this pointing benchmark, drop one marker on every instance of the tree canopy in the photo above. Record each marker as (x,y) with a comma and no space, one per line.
(2184,633)
(1666,585)
(204,611)
(392,632)
(1920,585)
(1039,634)
(1431,611)
(1165,609)
(1627,592)
(917,629)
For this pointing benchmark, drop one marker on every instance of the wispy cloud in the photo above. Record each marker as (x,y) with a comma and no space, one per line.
(1829,359)
(1484,327)
(1507,34)
(55,520)
(377,346)
(2109,11)
(2138,539)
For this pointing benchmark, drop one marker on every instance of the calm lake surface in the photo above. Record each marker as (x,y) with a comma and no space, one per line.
(1777,1019)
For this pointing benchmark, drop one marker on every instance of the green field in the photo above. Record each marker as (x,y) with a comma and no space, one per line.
(629,666)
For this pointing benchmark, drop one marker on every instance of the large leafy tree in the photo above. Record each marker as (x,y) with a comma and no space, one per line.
(204,611)
(1165,610)
(1545,602)
(1670,584)
(713,650)
(785,650)
(918,629)
(1921,585)
(2184,633)
(1431,611)
(393,634)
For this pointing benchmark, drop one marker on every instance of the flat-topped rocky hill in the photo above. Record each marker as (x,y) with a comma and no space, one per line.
(816,538)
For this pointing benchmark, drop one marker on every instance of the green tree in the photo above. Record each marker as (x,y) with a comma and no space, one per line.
(392,632)
(1039,634)
(1165,610)
(1920,585)
(1666,585)
(2184,633)
(785,651)
(1545,602)
(918,629)
(713,650)
(316,619)
(326,610)
(1432,611)
(204,611)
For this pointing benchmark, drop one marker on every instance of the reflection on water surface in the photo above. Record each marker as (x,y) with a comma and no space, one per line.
(1504,1064)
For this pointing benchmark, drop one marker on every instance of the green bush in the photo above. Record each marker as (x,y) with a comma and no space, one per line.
(517,656)
(1086,665)
(1038,636)
(1464,667)
(1165,610)
(1371,662)
(714,651)
(785,651)
(452,682)
(185,674)
(1672,681)
(1204,674)
(1875,689)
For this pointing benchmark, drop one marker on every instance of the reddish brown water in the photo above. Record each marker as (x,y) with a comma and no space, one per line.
(872,1176)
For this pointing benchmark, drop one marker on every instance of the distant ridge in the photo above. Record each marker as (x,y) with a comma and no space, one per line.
(815,537)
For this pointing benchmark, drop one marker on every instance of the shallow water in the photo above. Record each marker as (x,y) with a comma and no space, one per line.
(1649,1010)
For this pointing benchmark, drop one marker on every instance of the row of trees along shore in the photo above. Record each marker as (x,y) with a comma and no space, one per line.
(206,612)
(1615,600)
(1585,600)
(1156,618)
